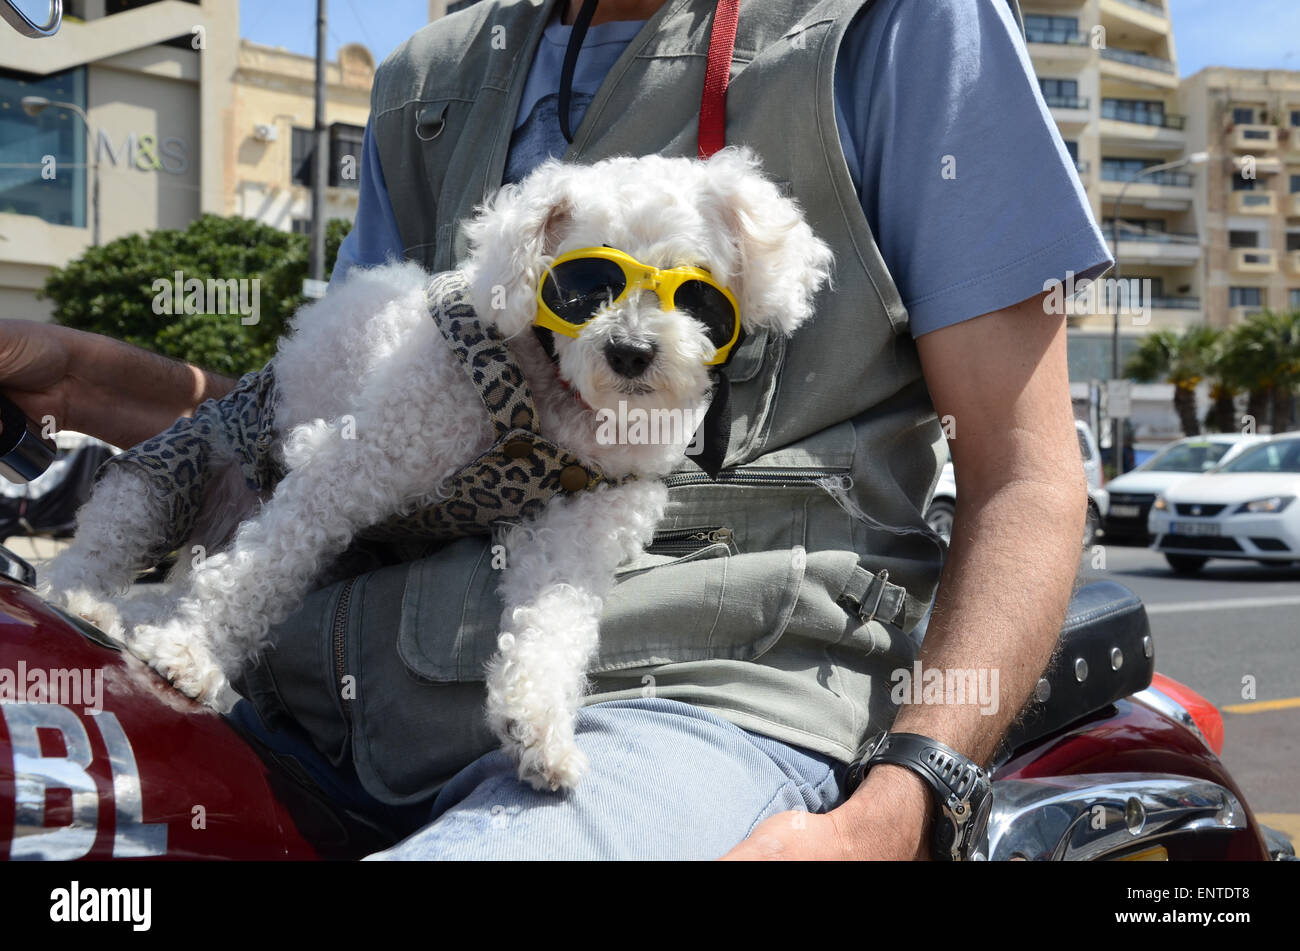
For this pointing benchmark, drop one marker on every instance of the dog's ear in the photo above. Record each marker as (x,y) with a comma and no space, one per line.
(781,263)
(512,239)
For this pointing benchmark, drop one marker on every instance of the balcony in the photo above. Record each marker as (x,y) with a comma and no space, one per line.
(1055,37)
(1157,247)
(1121,126)
(1175,303)
(1058,49)
(1164,195)
(1154,9)
(1253,138)
(1253,203)
(1133,66)
(1125,17)
(1254,260)
(1293,262)
(1293,207)
(1069,110)
(1237,315)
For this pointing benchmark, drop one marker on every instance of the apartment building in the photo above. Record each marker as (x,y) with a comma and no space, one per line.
(1248,199)
(1109,72)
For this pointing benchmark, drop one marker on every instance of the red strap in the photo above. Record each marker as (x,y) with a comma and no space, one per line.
(713,107)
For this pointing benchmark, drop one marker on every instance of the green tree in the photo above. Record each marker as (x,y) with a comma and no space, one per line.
(1183,359)
(113,289)
(1262,356)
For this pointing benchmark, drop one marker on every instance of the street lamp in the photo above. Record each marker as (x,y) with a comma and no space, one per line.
(1117,425)
(34,106)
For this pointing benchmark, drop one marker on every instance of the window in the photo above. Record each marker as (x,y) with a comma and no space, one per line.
(302,149)
(345,155)
(1061,93)
(1295,184)
(1245,297)
(1242,115)
(301,226)
(1073,149)
(1295,118)
(1294,298)
(1242,184)
(1142,111)
(1047,29)
(1293,241)
(1243,239)
(24,141)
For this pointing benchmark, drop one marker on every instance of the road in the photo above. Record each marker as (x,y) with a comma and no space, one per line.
(1233,625)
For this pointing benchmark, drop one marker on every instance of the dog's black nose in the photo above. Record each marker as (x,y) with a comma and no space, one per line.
(629,358)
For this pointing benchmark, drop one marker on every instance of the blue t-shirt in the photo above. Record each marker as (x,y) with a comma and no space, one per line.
(969,190)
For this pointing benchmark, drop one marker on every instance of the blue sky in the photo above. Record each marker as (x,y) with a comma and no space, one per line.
(1260,34)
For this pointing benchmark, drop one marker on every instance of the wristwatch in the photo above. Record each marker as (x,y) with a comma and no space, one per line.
(963,790)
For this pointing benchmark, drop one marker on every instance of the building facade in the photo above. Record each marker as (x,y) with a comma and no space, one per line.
(1248,199)
(148,98)
(271,143)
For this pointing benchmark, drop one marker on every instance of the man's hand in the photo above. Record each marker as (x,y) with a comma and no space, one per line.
(887,818)
(97,385)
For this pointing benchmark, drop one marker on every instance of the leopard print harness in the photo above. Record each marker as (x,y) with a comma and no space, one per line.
(510,481)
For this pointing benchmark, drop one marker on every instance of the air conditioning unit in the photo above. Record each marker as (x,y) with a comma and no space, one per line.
(265,132)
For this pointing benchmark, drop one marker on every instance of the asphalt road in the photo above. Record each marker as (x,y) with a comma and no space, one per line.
(1233,621)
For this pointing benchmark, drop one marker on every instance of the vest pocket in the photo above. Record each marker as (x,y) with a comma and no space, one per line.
(694,594)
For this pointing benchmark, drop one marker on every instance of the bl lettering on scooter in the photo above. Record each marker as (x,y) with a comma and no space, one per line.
(38,770)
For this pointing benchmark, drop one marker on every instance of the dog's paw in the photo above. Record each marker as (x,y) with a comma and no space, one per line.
(96,609)
(178,653)
(546,762)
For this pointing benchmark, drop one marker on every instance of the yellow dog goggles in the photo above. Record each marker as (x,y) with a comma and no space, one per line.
(578,283)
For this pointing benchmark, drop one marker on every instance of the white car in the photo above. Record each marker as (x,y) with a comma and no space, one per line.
(943,503)
(1131,494)
(1244,509)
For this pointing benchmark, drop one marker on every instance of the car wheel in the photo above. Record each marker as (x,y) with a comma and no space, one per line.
(939,517)
(1091,526)
(1186,564)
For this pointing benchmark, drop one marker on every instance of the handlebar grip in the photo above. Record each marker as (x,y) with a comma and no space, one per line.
(24,452)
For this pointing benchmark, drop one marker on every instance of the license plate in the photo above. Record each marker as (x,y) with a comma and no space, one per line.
(1194,528)
(1125,511)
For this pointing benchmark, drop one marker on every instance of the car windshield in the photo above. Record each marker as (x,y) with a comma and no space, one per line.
(1188,457)
(1282,456)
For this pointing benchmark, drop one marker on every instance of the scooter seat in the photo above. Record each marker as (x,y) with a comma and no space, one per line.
(1105,652)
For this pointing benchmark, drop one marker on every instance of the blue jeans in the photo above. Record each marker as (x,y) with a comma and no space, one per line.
(667,781)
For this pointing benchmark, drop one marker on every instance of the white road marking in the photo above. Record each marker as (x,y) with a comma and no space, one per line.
(1223,605)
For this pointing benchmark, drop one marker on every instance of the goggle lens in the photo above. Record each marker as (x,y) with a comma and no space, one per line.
(575,290)
(710,307)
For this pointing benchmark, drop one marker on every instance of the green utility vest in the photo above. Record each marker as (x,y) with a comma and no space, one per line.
(778,597)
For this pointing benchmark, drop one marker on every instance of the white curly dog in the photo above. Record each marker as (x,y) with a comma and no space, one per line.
(370,353)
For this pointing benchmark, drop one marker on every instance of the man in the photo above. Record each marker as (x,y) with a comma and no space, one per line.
(949,200)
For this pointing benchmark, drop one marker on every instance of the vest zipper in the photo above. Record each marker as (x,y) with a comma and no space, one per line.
(792,477)
(684,541)
(339,634)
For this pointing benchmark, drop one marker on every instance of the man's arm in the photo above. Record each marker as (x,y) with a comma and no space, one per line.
(97,385)
(1008,577)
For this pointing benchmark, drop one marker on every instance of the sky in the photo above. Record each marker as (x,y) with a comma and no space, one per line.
(1259,34)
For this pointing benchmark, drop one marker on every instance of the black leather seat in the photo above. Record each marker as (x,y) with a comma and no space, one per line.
(1105,653)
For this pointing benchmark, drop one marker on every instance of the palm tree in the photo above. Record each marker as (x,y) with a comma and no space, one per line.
(1262,356)
(1183,359)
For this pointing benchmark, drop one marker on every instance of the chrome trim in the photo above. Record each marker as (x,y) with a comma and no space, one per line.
(1161,702)
(1097,815)
(24,24)
(16,569)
